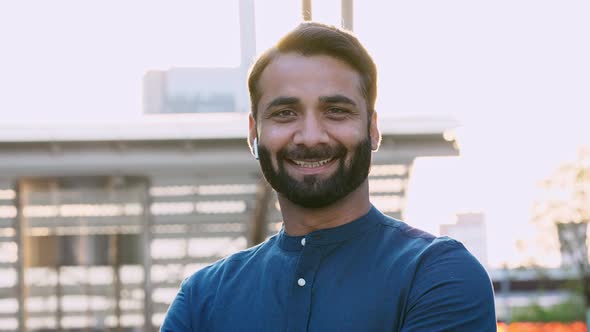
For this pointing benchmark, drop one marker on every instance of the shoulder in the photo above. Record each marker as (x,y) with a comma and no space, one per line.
(448,289)
(428,252)
(416,242)
(212,274)
(399,228)
(446,260)
(198,291)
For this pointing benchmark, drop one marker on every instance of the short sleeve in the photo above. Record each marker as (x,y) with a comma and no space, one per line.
(451,291)
(178,316)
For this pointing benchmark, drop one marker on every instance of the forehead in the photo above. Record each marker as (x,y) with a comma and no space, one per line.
(309,77)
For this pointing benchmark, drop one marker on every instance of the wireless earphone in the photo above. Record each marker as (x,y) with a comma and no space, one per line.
(255,147)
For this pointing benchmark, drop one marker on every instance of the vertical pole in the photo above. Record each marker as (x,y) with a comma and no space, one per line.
(19,227)
(146,224)
(58,296)
(113,251)
(347,14)
(247,49)
(505,290)
(258,227)
(54,190)
(306,9)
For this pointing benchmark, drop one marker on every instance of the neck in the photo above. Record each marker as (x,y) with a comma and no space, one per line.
(301,221)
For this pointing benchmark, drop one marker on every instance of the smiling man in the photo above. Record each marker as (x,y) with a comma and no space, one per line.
(338,264)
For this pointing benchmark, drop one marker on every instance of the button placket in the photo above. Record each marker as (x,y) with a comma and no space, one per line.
(299,307)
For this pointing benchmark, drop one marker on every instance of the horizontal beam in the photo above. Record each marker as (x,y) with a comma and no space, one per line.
(199,159)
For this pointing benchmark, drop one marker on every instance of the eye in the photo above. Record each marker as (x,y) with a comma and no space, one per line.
(283,114)
(337,112)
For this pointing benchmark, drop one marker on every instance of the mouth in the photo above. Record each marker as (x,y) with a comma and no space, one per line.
(312,166)
(311,163)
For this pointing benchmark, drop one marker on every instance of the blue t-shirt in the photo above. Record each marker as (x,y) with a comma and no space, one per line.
(373,274)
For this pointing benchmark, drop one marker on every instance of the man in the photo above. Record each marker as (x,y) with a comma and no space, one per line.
(338,264)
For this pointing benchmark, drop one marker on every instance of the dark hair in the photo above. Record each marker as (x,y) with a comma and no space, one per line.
(311,38)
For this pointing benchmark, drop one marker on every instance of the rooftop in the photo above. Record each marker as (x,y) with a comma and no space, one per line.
(191,126)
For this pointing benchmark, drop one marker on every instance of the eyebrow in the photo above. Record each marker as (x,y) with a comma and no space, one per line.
(281,101)
(337,99)
(334,99)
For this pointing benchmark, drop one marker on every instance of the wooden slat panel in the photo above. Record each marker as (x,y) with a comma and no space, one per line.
(6,222)
(195,219)
(8,292)
(204,198)
(83,197)
(161,307)
(6,183)
(81,312)
(201,234)
(7,315)
(185,261)
(92,290)
(88,221)
(245,178)
(168,284)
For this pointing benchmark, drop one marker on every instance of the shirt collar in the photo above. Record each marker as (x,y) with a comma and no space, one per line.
(330,235)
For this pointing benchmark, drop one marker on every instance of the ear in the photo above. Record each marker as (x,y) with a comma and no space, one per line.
(374,132)
(252,132)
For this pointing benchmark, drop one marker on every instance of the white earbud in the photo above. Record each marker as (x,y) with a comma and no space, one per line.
(255,147)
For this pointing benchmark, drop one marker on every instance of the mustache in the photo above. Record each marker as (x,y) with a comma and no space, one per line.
(318,152)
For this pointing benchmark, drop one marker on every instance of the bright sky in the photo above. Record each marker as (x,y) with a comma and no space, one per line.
(516,73)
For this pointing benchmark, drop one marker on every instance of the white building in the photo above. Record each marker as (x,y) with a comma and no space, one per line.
(152,201)
(204,90)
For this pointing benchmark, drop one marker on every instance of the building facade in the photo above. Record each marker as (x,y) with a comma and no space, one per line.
(100,223)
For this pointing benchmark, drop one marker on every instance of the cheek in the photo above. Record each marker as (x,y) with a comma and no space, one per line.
(350,130)
(352,138)
(351,142)
(274,138)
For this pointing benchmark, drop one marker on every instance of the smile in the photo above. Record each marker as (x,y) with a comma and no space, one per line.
(311,164)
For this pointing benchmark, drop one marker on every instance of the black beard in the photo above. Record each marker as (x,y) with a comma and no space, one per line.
(313,192)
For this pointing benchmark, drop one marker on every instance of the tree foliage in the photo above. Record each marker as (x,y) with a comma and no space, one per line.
(567,208)
(567,192)
(571,310)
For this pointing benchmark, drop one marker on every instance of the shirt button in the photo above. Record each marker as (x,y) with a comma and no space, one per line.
(301,282)
(303,242)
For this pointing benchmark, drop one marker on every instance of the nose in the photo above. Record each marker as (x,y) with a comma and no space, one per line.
(311,132)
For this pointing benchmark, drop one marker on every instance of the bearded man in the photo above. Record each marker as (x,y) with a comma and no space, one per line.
(338,263)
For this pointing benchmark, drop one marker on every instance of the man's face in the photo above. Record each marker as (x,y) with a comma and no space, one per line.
(314,138)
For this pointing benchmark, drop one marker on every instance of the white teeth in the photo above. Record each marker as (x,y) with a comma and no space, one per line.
(311,164)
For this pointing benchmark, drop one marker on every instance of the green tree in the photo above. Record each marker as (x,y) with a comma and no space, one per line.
(567,207)
(569,310)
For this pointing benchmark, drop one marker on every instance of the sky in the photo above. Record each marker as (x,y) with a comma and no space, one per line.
(514,73)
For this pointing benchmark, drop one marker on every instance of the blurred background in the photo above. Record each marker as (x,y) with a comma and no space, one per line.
(124,166)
